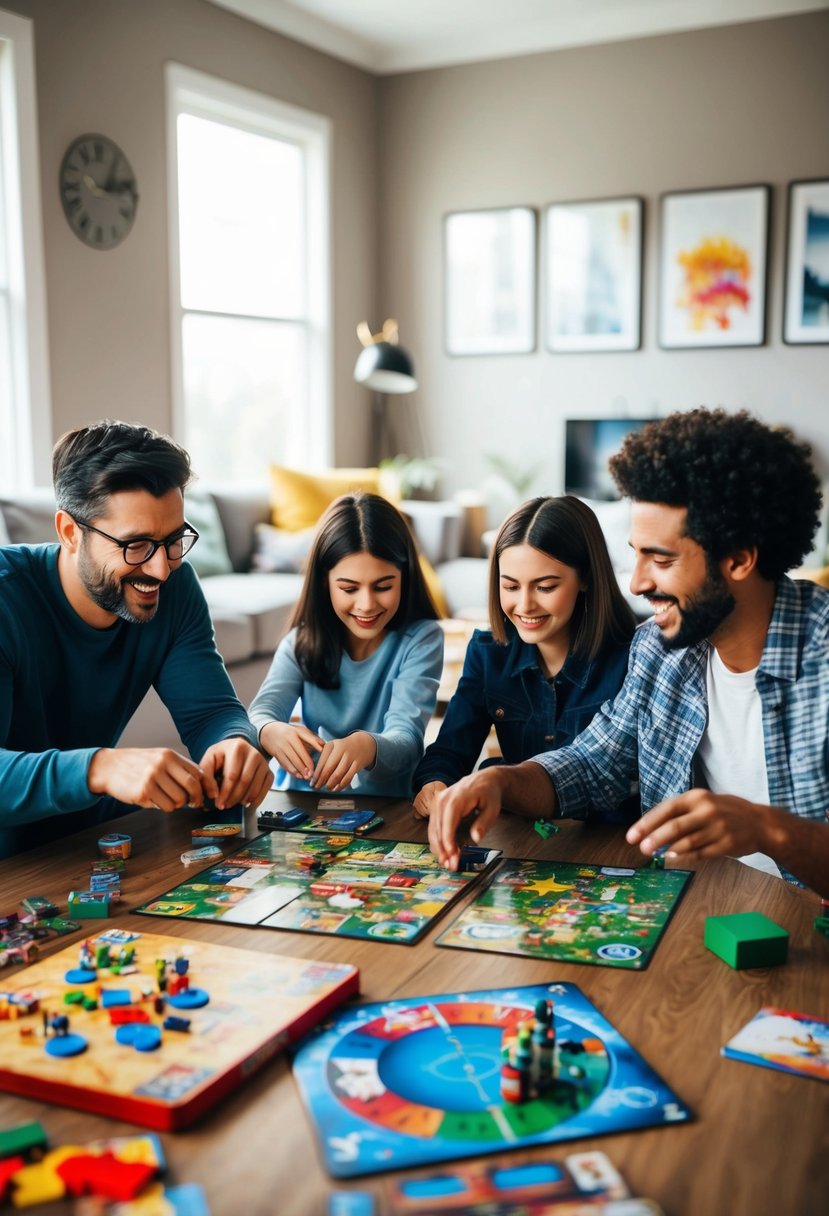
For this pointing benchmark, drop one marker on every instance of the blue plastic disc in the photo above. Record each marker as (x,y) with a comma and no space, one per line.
(189,998)
(63,1045)
(146,1038)
(80,975)
(125,1035)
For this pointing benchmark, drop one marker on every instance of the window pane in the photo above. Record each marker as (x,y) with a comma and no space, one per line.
(7,427)
(246,396)
(241,221)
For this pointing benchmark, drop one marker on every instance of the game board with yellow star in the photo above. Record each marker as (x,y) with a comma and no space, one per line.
(573,913)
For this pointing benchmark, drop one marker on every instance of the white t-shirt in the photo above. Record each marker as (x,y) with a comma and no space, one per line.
(731,759)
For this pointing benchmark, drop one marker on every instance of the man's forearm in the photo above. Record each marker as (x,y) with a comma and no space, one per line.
(802,846)
(526,789)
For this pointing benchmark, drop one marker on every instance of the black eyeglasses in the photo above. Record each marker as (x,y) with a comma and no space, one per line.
(143,548)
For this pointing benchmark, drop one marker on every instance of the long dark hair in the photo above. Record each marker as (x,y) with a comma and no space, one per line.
(354,523)
(567,530)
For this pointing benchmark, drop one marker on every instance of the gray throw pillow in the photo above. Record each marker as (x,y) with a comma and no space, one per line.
(209,556)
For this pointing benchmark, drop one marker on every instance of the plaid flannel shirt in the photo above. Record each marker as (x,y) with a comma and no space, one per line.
(652,730)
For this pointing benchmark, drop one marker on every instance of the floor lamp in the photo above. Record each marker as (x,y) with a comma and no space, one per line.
(385,367)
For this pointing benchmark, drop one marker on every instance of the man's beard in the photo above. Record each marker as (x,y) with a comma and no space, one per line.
(108,592)
(703,613)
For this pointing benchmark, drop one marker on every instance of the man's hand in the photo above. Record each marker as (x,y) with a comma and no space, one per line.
(242,770)
(426,798)
(147,776)
(288,744)
(341,760)
(479,793)
(700,824)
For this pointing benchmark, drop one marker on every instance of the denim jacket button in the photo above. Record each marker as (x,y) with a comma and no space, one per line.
(499,713)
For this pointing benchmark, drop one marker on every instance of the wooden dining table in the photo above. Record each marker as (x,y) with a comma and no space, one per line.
(758,1142)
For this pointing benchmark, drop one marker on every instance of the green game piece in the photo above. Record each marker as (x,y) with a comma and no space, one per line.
(75,997)
(746,939)
(20,1140)
(89,1003)
(545,829)
(822,925)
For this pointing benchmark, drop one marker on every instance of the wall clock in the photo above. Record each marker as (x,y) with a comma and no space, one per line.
(98,191)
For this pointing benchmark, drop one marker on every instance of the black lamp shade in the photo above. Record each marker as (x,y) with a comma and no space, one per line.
(386,368)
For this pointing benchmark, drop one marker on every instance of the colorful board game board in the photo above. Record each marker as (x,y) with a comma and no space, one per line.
(779,1038)
(352,822)
(257,1003)
(415,1081)
(349,886)
(571,913)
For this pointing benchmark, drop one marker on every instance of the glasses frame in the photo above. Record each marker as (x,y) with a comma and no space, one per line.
(187,530)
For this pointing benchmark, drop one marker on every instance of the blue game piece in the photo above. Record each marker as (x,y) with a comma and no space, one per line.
(350,1203)
(146,1038)
(64,1045)
(190,998)
(115,996)
(174,1023)
(80,975)
(125,1035)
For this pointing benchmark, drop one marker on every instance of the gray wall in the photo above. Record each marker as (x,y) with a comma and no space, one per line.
(735,105)
(100,67)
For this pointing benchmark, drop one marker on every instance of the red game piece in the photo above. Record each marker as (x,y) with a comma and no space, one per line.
(7,1168)
(120,1015)
(105,1175)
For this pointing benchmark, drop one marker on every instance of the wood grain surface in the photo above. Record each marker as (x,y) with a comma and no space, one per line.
(759,1143)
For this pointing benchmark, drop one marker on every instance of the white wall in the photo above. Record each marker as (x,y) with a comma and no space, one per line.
(100,67)
(735,105)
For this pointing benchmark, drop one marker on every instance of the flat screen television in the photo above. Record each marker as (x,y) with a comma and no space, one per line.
(588,445)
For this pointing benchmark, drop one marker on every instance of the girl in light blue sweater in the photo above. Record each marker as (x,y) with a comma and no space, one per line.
(363,657)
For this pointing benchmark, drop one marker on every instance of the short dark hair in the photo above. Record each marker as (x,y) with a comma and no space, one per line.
(566,529)
(744,484)
(354,523)
(94,462)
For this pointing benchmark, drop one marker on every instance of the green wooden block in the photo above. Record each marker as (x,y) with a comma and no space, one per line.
(22,1140)
(746,939)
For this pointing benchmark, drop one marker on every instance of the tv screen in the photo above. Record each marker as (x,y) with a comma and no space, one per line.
(588,445)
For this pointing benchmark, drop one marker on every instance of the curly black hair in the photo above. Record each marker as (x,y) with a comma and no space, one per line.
(744,484)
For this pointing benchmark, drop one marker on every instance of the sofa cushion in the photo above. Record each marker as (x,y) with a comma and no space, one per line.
(209,556)
(240,509)
(280,552)
(235,636)
(30,517)
(266,599)
(299,499)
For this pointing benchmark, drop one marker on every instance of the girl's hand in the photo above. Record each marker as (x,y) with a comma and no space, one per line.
(342,759)
(426,797)
(287,742)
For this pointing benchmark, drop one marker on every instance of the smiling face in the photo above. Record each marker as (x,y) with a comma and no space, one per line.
(538,595)
(98,582)
(365,595)
(689,595)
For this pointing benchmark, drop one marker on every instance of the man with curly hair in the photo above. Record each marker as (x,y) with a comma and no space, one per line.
(724,714)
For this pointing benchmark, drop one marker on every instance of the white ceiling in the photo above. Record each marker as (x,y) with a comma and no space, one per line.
(403,35)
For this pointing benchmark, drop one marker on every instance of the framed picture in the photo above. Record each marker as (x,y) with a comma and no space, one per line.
(593,275)
(806,312)
(490,281)
(712,274)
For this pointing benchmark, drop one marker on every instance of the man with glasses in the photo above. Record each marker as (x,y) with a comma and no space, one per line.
(88,625)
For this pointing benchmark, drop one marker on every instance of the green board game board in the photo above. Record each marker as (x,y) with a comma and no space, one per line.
(344,885)
(571,913)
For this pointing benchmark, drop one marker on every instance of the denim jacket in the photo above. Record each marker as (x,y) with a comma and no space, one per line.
(504,686)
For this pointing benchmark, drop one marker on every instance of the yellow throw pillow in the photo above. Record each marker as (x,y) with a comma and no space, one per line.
(299,499)
(432,580)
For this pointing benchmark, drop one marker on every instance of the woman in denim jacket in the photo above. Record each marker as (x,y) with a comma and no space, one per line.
(557,649)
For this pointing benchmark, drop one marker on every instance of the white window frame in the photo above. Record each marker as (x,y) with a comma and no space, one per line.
(31,413)
(205,96)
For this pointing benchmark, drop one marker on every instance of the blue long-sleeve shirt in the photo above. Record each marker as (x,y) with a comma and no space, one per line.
(68,689)
(391,695)
(503,686)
